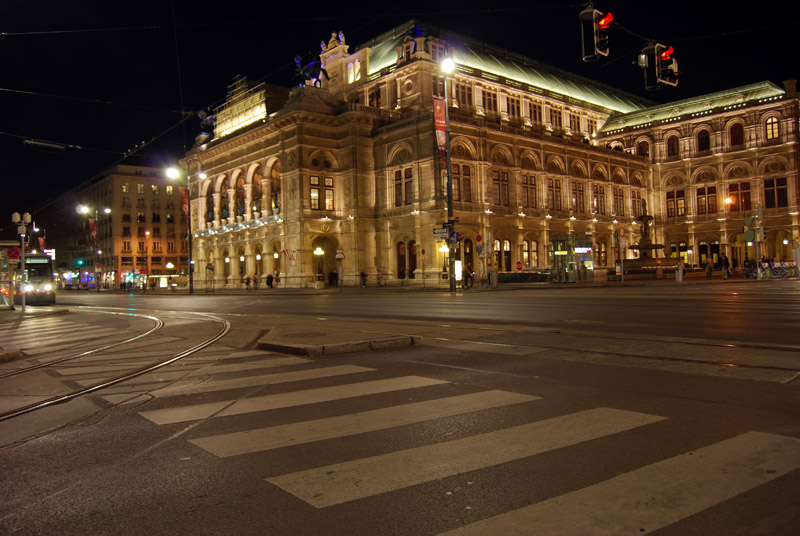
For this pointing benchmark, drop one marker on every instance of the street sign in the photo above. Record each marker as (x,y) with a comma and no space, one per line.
(13,252)
(479,248)
(519,266)
(478,238)
(440,231)
(339,255)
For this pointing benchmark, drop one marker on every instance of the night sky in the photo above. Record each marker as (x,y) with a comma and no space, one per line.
(103,77)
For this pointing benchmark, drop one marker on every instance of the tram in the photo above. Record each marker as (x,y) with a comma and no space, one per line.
(39,285)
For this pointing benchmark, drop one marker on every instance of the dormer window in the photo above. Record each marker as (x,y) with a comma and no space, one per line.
(353,71)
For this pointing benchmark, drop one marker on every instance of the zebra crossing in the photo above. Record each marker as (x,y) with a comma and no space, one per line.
(38,336)
(639,501)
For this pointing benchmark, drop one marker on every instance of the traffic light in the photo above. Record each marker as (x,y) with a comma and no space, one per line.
(659,66)
(749,231)
(668,66)
(79,262)
(595,27)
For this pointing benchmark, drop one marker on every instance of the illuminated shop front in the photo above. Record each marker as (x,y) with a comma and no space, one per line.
(571,258)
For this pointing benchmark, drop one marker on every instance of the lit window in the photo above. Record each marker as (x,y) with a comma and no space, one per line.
(772,128)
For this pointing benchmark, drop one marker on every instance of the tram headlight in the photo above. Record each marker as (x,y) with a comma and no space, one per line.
(28,287)
(48,287)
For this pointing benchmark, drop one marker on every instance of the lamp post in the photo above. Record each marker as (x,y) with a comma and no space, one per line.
(22,228)
(175,173)
(83,209)
(146,259)
(447,66)
(319,253)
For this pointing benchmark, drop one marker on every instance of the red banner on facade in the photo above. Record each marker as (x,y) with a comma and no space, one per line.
(440,125)
(184,203)
(93,230)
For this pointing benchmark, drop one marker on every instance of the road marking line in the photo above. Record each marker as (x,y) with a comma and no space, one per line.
(285,400)
(489,347)
(348,481)
(263,379)
(380,419)
(657,495)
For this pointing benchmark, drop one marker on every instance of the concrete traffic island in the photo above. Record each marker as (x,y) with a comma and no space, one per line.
(320,342)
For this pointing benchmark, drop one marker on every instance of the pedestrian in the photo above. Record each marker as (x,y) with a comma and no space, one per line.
(255,282)
(277,277)
(247,282)
(726,266)
(269,281)
(331,277)
(363,279)
(709,268)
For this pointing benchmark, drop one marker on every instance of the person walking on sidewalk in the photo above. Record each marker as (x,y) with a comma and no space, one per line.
(726,266)
(709,267)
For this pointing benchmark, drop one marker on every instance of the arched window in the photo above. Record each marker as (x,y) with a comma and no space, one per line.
(737,135)
(526,253)
(772,130)
(703,141)
(210,205)
(239,196)
(672,146)
(223,199)
(255,192)
(275,185)
(643,148)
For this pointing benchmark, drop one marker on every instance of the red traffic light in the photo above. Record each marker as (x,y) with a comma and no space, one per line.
(605,21)
(665,54)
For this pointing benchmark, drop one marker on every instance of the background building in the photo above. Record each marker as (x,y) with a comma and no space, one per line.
(131,230)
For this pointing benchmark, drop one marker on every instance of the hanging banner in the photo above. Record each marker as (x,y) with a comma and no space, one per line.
(184,203)
(93,230)
(440,125)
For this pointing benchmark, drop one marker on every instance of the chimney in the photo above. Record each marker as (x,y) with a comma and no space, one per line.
(791,87)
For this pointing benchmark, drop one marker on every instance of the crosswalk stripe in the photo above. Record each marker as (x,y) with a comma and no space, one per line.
(348,481)
(236,383)
(380,419)
(45,338)
(265,363)
(285,400)
(650,498)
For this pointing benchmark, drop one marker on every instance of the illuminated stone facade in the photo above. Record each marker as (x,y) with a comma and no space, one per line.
(718,159)
(348,167)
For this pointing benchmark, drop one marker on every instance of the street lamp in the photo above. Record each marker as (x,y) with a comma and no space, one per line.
(448,66)
(174,173)
(83,209)
(319,253)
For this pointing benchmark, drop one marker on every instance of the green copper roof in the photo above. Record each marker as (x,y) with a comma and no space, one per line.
(477,55)
(695,106)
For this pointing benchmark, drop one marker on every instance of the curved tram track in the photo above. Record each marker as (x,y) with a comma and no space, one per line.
(105,351)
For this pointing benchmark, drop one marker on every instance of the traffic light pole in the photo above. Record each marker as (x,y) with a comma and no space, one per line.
(451,255)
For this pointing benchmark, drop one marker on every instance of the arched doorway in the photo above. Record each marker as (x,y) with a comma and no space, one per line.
(401,260)
(412,258)
(325,262)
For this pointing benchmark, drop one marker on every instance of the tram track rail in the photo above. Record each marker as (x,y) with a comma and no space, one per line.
(158,324)
(224,328)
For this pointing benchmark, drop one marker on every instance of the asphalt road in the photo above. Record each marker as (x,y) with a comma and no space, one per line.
(636,410)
